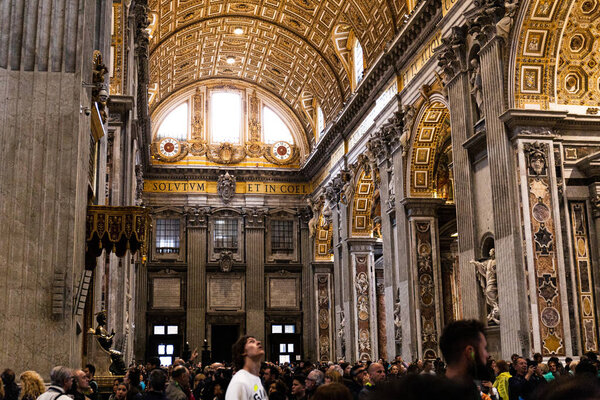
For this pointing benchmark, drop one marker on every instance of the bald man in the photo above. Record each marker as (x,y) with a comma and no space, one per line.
(376,373)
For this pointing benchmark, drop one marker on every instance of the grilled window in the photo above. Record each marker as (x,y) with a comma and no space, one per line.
(226,234)
(282,235)
(167,236)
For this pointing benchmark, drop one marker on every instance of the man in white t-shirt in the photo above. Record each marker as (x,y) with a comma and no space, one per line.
(245,384)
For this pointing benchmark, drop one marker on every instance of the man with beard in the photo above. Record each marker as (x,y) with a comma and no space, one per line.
(464,347)
(525,380)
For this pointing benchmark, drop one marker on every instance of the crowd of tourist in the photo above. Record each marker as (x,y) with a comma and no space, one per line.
(467,372)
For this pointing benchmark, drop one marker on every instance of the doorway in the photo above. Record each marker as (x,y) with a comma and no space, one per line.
(222,338)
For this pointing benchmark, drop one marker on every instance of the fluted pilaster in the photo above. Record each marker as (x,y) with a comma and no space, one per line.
(511,288)
(255,273)
(196,277)
(461,122)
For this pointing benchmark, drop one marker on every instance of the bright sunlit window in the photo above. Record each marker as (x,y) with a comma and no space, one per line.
(175,125)
(358,62)
(274,129)
(320,121)
(226,117)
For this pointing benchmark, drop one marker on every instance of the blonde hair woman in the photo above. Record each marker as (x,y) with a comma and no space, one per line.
(32,385)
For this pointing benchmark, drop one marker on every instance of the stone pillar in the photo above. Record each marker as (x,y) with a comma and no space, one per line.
(364,299)
(308,315)
(404,277)
(196,276)
(46,53)
(342,277)
(141,302)
(595,242)
(255,272)
(510,270)
(425,266)
(453,62)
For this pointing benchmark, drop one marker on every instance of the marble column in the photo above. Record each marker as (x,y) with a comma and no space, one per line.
(403,276)
(425,267)
(508,241)
(308,315)
(461,122)
(255,272)
(196,276)
(364,299)
(141,306)
(595,241)
(345,340)
(45,54)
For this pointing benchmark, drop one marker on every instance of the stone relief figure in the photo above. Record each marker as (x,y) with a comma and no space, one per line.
(505,24)
(443,183)
(340,333)
(226,187)
(315,207)
(327,213)
(476,86)
(348,187)
(409,116)
(486,273)
(537,158)
(105,340)
(397,320)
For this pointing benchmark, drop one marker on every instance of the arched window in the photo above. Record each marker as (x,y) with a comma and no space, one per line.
(175,125)
(225,117)
(358,62)
(274,129)
(320,122)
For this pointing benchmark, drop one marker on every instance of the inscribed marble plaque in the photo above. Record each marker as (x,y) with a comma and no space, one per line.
(225,293)
(166,293)
(283,293)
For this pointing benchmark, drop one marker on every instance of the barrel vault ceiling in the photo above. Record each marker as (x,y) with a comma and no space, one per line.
(286,47)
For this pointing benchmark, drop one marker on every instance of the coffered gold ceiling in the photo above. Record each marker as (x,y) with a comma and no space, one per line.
(287,46)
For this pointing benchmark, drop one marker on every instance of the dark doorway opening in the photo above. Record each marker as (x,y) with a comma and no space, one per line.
(222,338)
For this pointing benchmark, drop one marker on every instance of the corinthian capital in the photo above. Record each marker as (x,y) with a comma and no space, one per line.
(451,54)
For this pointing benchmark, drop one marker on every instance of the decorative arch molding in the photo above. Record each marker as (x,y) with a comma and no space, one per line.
(324,240)
(550,30)
(362,203)
(429,134)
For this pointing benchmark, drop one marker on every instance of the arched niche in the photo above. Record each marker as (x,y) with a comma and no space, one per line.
(430,157)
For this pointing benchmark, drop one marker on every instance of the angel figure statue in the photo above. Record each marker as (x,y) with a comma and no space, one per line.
(486,274)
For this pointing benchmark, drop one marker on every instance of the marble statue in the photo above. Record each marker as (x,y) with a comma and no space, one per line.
(340,333)
(486,273)
(505,24)
(105,340)
(315,207)
(477,86)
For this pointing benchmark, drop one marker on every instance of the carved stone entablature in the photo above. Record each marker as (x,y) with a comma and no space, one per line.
(226,187)
(451,54)
(531,131)
(197,217)
(255,217)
